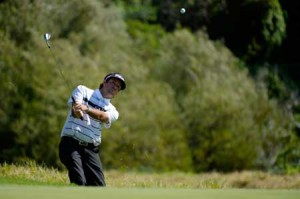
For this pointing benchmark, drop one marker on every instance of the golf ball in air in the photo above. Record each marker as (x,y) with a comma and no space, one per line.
(182,10)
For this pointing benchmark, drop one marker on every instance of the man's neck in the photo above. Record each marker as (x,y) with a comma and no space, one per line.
(104,94)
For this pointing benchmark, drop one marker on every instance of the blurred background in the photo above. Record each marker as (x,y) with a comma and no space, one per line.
(213,87)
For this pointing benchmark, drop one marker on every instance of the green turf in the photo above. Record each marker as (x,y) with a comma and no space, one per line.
(66,192)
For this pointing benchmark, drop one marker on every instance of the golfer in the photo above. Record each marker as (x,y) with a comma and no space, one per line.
(81,135)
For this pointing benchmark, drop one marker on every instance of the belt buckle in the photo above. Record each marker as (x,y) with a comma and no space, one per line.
(83,143)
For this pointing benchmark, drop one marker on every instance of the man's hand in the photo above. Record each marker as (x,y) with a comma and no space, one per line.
(77,109)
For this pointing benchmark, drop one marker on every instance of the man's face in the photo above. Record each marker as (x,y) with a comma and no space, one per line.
(111,88)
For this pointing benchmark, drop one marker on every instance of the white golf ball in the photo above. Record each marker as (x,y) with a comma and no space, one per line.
(182,10)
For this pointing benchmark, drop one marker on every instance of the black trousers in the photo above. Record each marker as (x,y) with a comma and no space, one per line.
(83,162)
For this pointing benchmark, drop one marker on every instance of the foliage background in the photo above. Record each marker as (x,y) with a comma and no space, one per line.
(198,98)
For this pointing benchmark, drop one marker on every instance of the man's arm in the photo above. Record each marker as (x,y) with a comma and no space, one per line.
(94,113)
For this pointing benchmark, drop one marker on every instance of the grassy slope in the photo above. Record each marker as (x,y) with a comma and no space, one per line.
(31,174)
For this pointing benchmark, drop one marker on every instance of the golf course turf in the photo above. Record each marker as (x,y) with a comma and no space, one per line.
(74,192)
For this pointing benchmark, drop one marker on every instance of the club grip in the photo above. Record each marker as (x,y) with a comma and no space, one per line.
(81,114)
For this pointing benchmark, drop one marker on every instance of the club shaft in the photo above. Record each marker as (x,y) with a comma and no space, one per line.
(60,71)
(62,75)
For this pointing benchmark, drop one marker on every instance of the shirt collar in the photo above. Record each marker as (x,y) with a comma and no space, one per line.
(99,95)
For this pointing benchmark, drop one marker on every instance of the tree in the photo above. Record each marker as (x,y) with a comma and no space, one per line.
(229,118)
(250,28)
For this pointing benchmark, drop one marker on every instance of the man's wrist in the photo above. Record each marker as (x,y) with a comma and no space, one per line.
(87,109)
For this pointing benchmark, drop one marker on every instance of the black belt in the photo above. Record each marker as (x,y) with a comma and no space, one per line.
(81,143)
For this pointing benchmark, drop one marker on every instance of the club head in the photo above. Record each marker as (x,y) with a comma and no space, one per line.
(47,37)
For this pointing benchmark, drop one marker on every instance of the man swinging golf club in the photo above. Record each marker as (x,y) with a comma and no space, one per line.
(90,110)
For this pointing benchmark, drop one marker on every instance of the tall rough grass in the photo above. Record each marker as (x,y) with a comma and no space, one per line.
(33,174)
(245,179)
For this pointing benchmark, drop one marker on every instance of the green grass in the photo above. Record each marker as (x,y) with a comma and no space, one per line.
(32,174)
(62,192)
(31,181)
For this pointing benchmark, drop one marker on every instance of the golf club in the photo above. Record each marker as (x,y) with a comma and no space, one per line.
(47,37)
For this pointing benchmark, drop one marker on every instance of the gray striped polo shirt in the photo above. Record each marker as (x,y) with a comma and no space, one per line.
(88,129)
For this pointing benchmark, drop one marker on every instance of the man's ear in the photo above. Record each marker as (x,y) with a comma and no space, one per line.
(101,85)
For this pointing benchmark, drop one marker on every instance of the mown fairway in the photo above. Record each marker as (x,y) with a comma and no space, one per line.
(58,192)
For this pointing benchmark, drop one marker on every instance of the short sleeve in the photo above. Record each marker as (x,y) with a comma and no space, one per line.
(77,94)
(113,115)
